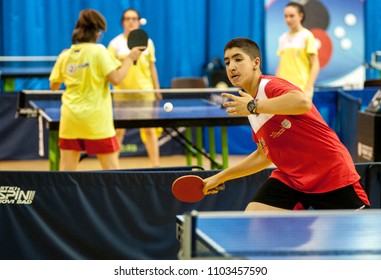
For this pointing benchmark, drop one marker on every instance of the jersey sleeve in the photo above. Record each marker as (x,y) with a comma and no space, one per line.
(277,87)
(311,44)
(56,75)
(107,62)
(151,46)
(111,50)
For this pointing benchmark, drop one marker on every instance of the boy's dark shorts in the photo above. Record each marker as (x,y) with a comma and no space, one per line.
(276,193)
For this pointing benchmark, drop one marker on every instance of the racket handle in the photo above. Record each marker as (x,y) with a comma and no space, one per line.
(219,187)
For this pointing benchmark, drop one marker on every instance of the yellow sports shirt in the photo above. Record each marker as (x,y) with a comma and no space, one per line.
(294,50)
(86,111)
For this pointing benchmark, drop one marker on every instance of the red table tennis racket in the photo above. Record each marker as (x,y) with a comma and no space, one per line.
(137,38)
(188,188)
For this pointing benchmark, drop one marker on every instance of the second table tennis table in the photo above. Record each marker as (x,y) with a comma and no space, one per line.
(187,112)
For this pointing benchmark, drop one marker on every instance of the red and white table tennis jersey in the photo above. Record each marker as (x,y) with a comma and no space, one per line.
(307,153)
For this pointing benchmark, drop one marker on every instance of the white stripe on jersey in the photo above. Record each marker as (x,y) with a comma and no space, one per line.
(257,121)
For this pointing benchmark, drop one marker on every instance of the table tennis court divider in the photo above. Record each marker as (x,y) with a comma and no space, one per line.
(372,183)
(104,214)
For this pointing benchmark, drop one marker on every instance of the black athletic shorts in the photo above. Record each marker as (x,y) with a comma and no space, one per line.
(276,193)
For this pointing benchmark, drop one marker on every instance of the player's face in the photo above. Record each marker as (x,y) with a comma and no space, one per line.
(239,67)
(130,21)
(292,17)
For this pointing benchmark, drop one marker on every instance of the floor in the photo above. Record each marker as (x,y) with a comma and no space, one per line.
(125,163)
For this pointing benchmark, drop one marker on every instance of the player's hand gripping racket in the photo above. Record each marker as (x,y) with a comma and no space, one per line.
(137,38)
(188,188)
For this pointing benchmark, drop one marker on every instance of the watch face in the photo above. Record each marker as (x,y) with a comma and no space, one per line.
(250,106)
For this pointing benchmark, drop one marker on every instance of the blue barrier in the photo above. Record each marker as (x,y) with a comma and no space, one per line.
(113,214)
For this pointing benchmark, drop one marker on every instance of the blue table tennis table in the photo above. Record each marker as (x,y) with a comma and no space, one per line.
(312,234)
(187,112)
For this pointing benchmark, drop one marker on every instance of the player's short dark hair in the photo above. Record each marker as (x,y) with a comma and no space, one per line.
(246,45)
(299,7)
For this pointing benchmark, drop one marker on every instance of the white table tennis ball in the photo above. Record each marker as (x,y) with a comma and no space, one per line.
(168,107)
(143,21)
(221,85)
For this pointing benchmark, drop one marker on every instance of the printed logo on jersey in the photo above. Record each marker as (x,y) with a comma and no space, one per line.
(285,124)
(71,68)
(264,148)
(15,195)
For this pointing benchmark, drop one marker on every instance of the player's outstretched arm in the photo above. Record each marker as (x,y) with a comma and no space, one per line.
(55,85)
(254,163)
(116,77)
(292,103)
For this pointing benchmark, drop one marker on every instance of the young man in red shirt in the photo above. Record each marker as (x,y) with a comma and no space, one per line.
(314,169)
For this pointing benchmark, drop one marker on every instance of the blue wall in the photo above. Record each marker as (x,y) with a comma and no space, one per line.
(187,33)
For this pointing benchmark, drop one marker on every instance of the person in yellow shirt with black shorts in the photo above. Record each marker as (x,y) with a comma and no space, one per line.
(87,69)
(297,51)
(142,76)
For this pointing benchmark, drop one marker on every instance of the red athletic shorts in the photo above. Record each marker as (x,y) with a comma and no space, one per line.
(91,147)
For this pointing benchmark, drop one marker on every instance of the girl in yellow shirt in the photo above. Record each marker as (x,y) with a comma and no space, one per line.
(297,50)
(87,69)
(142,76)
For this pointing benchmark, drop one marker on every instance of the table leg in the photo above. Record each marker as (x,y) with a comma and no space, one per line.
(54,151)
(199,145)
(212,147)
(224,147)
(9,85)
(188,153)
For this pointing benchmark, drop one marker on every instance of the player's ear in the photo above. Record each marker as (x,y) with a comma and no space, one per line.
(256,63)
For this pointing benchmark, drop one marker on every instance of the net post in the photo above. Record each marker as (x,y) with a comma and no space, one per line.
(187,235)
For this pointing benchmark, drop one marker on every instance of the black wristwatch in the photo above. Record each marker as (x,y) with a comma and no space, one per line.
(252,106)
